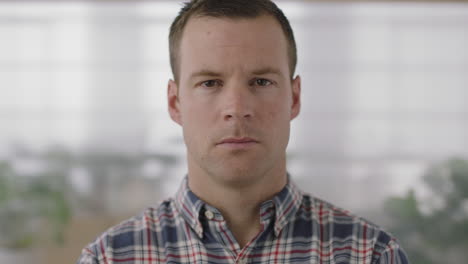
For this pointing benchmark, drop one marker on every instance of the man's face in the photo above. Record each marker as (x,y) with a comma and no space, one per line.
(234,98)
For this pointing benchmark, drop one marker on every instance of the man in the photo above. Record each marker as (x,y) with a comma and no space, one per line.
(234,94)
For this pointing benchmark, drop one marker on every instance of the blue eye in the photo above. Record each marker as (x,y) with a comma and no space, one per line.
(262,82)
(210,83)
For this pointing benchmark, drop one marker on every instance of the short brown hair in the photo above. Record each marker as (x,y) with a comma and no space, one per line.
(228,9)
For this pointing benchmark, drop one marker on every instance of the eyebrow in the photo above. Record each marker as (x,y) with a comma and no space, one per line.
(210,73)
(267,70)
(205,73)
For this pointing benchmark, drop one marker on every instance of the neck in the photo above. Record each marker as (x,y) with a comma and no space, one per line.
(239,204)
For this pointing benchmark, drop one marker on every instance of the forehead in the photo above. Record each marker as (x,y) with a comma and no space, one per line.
(226,44)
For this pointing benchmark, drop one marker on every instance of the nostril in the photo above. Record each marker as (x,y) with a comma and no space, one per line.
(231,115)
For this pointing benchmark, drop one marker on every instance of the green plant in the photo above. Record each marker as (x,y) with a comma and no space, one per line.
(438,223)
(31,208)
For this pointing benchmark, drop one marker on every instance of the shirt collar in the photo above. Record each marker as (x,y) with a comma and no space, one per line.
(287,202)
(283,206)
(189,206)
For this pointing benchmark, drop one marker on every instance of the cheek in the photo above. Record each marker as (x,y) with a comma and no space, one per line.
(277,122)
(278,112)
(195,123)
(193,113)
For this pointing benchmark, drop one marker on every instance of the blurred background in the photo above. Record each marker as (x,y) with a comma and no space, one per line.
(86,141)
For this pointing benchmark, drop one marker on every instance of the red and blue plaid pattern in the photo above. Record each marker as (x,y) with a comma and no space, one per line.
(296,228)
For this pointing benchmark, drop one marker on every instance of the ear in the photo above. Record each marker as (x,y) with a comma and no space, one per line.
(296,97)
(173,102)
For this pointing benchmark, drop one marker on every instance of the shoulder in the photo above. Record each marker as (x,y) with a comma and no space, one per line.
(140,231)
(348,230)
(343,221)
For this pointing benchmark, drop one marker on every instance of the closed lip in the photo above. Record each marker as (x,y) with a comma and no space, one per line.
(238,140)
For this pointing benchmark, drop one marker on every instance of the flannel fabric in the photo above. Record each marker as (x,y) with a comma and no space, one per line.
(296,228)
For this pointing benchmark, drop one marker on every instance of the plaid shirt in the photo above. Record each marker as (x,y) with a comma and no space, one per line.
(296,228)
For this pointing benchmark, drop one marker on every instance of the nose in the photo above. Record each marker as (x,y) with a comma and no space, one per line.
(237,104)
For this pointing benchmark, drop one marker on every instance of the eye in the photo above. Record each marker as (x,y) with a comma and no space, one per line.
(262,82)
(210,83)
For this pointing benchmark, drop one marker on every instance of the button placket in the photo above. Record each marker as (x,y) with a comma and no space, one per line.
(199,229)
(241,261)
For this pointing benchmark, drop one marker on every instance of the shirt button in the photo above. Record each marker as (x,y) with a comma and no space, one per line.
(209,215)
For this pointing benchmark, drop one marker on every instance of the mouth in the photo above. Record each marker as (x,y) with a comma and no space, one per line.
(238,143)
